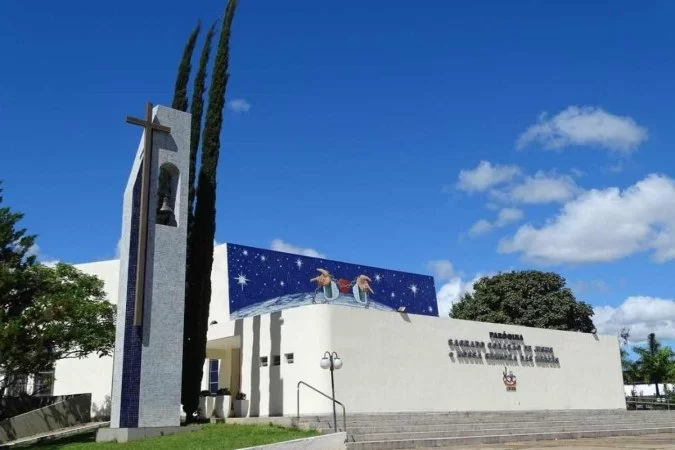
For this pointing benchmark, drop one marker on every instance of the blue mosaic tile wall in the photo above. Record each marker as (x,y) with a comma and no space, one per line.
(133,336)
(264,281)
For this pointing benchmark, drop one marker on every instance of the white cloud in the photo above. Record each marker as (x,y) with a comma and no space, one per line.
(285,247)
(485,175)
(442,269)
(585,126)
(239,105)
(33,250)
(480,227)
(604,225)
(577,173)
(505,217)
(641,314)
(541,188)
(508,215)
(45,260)
(451,292)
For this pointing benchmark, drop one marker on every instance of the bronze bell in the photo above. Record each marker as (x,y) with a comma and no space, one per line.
(165,212)
(166,209)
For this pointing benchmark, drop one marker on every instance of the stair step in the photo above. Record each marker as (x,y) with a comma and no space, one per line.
(463,418)
(503,438)
(374,423)
(358,430)
(407,435)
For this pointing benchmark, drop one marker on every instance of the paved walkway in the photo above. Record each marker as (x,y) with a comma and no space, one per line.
(663,441)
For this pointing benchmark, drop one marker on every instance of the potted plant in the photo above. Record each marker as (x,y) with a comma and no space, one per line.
(205,405)
(240,405)
(222,407)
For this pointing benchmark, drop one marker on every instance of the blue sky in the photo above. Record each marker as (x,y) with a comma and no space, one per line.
(375,132)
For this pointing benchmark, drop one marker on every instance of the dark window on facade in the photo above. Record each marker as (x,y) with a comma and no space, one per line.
(263,361)
(289,358)
(276,360)
(213,376)
(18,388)
(43,384)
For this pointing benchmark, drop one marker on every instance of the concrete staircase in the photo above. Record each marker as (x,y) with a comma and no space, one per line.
(437,429)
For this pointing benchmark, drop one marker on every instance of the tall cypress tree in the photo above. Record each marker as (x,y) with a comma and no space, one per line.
(180,99)
(201,251)
(197,110)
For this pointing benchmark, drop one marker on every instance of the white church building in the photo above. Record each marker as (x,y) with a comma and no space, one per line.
(274,315)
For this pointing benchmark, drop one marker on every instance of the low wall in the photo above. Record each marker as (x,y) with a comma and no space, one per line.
(13,406)
(66,413)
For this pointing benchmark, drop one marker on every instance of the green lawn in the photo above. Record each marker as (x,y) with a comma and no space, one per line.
(217,436)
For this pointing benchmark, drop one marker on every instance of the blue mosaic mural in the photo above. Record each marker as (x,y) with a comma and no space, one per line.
(264,281)
(133,336)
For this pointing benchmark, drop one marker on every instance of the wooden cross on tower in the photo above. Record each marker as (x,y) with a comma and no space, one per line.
(145,202)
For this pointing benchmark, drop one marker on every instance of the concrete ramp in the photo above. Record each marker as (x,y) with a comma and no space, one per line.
(66,413)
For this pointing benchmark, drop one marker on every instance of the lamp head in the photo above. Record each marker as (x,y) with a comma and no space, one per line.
(337,363)
(325,363)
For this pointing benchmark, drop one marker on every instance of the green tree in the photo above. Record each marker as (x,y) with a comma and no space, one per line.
(198,277)
(46,313)
(629,368)
(191,311)
(529,298)
(655,362)
(180,98)
(197,111)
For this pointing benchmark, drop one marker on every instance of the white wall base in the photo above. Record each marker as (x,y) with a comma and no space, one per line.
(134,434)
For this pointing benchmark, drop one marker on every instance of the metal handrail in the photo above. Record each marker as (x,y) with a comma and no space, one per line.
(668,405)
(344,411)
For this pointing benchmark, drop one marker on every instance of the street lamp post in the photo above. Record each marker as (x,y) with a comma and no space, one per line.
(332,361)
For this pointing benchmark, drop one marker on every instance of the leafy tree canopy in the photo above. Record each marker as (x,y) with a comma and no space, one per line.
(529,298)
(46,313)
(655,363)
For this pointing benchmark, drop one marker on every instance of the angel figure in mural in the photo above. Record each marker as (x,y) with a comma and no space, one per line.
(325,282)
(361,289)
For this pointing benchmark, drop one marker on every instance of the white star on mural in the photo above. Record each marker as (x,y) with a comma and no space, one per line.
(242,280)
(298,263)
(245,252)
(263,258)
(378,277)
(282,283)
(413,288)
(393,295)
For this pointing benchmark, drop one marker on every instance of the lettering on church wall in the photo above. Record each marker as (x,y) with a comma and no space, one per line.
(503,347)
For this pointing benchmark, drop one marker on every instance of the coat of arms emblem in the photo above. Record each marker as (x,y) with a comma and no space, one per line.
(509,380)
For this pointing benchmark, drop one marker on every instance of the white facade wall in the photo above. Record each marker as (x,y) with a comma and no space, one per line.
(92,374)
(395,363)
(392,362)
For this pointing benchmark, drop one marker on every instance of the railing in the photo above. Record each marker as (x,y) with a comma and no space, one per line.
(344,411)
(652,402)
